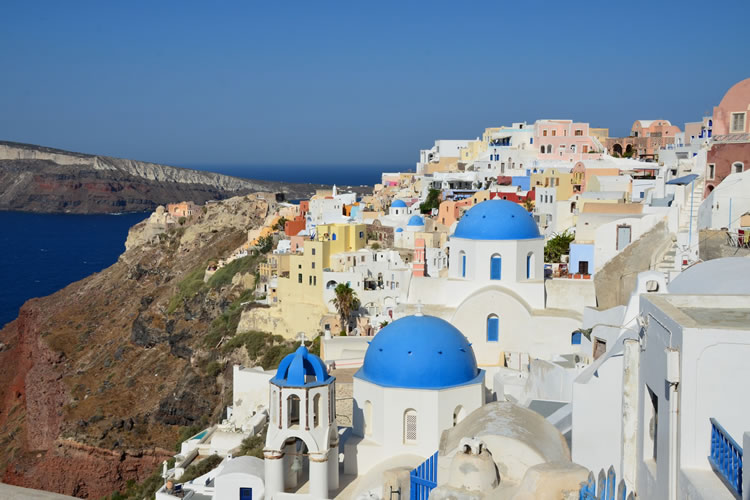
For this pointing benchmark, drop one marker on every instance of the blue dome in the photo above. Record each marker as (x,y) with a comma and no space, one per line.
(419,352)
(398,204)
(296,368)
(415,220)
(497,220)
(399,229)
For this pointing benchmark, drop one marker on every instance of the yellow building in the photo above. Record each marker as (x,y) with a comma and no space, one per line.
(552,177)
(599,133)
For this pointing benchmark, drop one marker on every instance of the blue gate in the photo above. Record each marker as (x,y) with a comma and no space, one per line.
(605,488)
(424,479)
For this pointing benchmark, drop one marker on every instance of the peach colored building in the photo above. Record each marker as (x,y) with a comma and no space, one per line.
(731,115)
(450,211)
(182,209)
(584,170)
(645,139)
(564,140)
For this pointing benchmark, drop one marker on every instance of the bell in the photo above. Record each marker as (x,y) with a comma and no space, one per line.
(297,464)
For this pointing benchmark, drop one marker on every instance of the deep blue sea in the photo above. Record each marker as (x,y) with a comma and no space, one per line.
(40,254)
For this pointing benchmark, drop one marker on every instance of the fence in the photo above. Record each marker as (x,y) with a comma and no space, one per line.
(424,479)
(605,487)
(726,458)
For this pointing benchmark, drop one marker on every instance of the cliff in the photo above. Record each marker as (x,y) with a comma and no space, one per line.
(98,380)
(40,179)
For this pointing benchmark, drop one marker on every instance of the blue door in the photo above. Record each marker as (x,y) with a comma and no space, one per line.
(246,494)
(495,268)
(576,338)
(463,266)
(493,329)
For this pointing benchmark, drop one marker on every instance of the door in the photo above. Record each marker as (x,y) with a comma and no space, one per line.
(623,237)
(246,494)
(495,267)
(583,267)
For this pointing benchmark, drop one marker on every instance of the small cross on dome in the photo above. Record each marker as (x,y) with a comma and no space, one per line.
(419,307)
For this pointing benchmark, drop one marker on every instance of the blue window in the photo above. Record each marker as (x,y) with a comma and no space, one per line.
(246,494)
(576,338)
(334,237)
(496,267)
(531,140)
(528,266)
(493,328)
(463,265)
(361,234)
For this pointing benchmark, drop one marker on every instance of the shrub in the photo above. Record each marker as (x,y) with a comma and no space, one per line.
(253,446)
(181,221)
(224,275)
(188,288)
(202,467)
(213,369)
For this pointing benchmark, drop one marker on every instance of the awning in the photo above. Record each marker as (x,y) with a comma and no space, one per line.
(685,179)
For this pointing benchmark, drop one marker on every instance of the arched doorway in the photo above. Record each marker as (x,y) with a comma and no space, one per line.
(617,150)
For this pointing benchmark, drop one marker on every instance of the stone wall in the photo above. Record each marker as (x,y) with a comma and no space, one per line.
(714,245)
(616,280)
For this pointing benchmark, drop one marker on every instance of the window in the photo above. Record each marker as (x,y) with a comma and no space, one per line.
(333,237)
(554,133)
(737,167)
(361,234)
(458,415)
(738,123)
(496,263)
(711,170)
(585,148)
(316,410)
(313,251)
(493,328)
(410,426)
(299,278)
(368,418)
(292,410)
(246,494)
(544,133)
(463,264)
(313,265)
(530,264)
(579,132)
(575,339)
(572,148)
(315,281)
(309,281)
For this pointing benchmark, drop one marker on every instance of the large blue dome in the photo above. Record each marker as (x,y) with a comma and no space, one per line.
(497,220)
(300,369)
(415,220)
(398,204)
(419,352)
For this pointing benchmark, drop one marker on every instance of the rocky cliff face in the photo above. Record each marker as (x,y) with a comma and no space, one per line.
(98,379)
(40,179)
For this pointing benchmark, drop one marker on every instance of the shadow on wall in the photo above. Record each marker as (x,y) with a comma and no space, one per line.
(616,280)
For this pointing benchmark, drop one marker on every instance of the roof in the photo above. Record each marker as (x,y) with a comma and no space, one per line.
(398,204)
(497,220)
(727,276)
(420,352)
(301,369)
(592,207)
(685,179)
(415,220)
(243,465)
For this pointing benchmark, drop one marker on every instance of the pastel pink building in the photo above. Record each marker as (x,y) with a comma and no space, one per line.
(645,139)
(730,116)
(565,140)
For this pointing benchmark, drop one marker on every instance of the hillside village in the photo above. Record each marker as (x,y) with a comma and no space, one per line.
(539,312)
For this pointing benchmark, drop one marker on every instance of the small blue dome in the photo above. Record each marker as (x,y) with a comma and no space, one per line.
(415,220)
(497,220)
(419,352)
(399,229)
(296,368)
(398,204)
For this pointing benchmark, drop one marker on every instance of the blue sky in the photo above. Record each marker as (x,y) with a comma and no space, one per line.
(350,83)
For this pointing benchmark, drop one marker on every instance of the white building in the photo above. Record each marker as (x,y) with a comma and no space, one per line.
(419,377)
(726,204)
(302,426)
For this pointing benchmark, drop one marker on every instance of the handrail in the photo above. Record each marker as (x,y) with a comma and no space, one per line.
(726,457)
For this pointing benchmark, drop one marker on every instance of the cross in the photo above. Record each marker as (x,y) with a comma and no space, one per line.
(301,337)
(419,307)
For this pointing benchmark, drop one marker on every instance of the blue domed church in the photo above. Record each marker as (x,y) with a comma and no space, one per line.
(495,289)
(419,377)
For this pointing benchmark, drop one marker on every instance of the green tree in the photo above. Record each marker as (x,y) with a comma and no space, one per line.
(528,205)
(346,302)
(557,246)
(432,201)
(265,244)
(280,224)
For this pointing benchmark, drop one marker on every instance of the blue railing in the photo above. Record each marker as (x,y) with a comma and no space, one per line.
(726,457)
(424,479)
(605,488)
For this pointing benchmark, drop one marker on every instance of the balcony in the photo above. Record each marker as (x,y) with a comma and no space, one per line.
(726,458)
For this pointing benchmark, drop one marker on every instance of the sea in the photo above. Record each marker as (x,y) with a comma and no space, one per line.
(41,254)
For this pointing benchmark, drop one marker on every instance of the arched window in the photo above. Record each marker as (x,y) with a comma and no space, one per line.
(462,257)
(530,265)
(575,338)
(331,285)
(333,237)
(458,415)
(368,418)
(316,410)
(292,410)
(410,426)
(496,267)
(493,328)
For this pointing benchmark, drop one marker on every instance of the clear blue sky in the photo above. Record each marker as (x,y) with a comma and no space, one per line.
(360,83)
